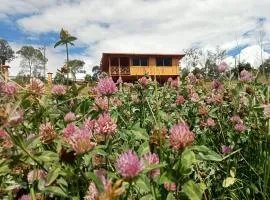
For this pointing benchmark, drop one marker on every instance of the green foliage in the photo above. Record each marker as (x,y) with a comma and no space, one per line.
(193,190)
(88,78)
(75,66)
(6,52)
(144,116)
(96,72)
(32,60)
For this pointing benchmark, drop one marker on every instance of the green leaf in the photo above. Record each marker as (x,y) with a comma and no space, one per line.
(193,190)
(143,185)
(58,43)
(154,166)
(188,158)
(84,106)
(41,184)
(228,181)
(62,182)
(4,168)
(56,190)
(48,156)
(207,154)
(71,38)
(210,157)
(99,150)
(33,142)
(139,134)
(233,172)
(170,196)
(144,148)
(52,176)
(212,112)
(147,197)
(166,177)
(96,180)
(114,116)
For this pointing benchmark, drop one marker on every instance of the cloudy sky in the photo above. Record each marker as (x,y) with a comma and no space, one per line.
(164,26)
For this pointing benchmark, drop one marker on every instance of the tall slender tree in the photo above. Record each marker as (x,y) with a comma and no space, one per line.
(31,59)
(6,52)
(65,39)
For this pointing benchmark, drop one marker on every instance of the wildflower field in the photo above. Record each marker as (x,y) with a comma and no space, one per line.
(180,140)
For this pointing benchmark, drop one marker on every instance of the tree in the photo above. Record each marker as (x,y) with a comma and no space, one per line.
(213,58)
(6,52)
(266,67)
(184,73)
(96,72)
(205,60)
(197,70)
(88,78)
(31,59)
(260,37)
(240,67)
(192,57)
(59,78)
(65,39)
(75,66)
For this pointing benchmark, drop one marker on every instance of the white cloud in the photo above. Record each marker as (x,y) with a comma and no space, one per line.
(164,26)
(251,54)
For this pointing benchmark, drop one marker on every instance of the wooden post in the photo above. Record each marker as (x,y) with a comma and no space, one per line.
(49,79)
(119,67)
(4,71)
(130,64)
(155,72)
(178,79)
(6,74)
(110,66)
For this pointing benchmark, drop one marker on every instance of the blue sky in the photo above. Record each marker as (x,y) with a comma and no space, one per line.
(161,26)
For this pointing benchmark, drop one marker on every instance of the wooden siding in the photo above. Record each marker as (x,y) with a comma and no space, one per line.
(152,69)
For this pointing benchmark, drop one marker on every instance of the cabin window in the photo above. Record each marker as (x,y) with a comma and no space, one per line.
(140,61)
(164,61)
(114,61)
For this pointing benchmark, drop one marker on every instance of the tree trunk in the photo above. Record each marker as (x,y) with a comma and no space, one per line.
(30,67)
(67,62)
(263,70)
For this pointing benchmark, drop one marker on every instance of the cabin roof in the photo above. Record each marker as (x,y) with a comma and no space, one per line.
(4,66)
(105,57)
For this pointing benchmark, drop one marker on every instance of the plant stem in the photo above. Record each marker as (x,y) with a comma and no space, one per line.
(151,110)
(32,192)
(153,190)
(15,141)
(108,103)
(129,188)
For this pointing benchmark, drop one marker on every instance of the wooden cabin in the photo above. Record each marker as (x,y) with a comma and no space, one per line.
(131,67)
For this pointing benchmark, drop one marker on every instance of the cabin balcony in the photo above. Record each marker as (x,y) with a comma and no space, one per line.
(120,70)
(139,70)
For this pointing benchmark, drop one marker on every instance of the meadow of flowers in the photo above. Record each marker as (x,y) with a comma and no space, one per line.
(181,140)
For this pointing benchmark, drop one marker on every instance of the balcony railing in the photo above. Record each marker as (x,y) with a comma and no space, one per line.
(123,70)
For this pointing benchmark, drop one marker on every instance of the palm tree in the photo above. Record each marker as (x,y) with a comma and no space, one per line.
(65,39)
